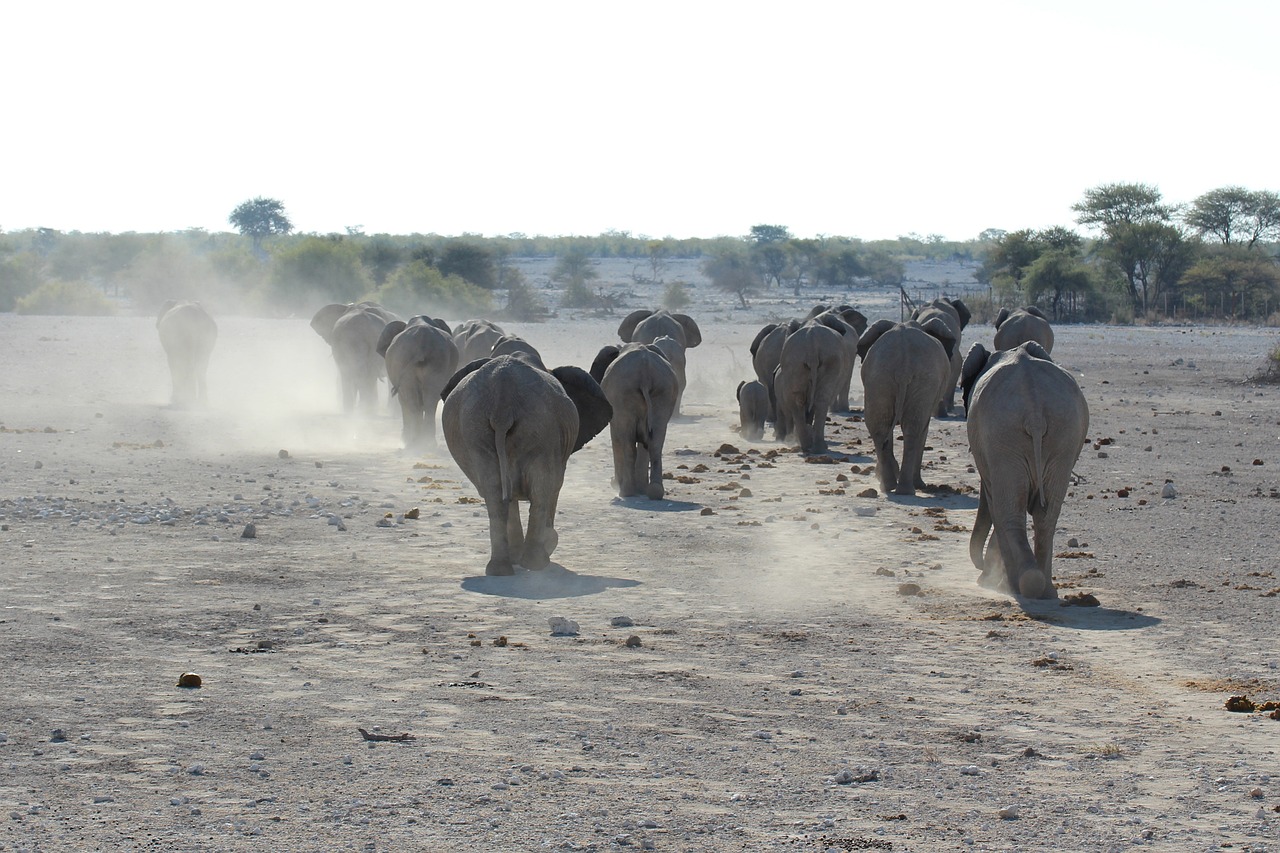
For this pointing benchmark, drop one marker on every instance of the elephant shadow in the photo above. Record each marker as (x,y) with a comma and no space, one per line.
(1057,612)
(660,505)
(555,581)
(945,498)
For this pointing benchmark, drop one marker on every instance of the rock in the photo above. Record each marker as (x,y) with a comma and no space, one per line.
(250,532)
(868,493)
(633,642)
(1008,813)
(621,622)
(970,770)
(562,627)
(283,454)
(1168,491)
(859,775)
(908,589)
(189,679)
(1073,542)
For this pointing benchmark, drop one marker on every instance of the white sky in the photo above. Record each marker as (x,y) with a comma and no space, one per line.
(693,118)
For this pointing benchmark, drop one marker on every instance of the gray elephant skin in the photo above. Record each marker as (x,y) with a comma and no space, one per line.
(814,361)
(648,327)
(956,315)
(352,330)
(188,334)
(475,339)
(753,409)
(641,387)
(766,348)
(906,370)
(1022,325)
(1027,421)
(511,426)
(420,358)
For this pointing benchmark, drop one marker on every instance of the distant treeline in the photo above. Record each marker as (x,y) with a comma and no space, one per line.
(1146,259)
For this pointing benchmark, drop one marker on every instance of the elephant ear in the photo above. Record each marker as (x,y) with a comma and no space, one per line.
(962,310)
(871,335)
(975,364)
(1034,350)
(325,319)
(692,334)
(835,323)
(816,310)
(604,358)
(388,335)
(937,328)
(627,327)
(462,373)
(1001,317)
(440,324)
(1035,312)
(594,411)
(760,336)
(853,317)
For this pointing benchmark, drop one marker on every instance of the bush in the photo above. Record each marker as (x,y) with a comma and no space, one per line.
(324,267)
(676,296)
(19,275)
(523,302)
(66,297)
(419,288)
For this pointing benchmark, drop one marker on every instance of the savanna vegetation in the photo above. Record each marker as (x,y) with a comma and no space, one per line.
(1129,256)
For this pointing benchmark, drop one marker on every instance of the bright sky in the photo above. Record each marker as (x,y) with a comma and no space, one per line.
(693,118)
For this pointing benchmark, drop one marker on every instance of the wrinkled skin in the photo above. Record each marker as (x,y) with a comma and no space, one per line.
(766,355)
(511,426)
(956,315)
(675,355)
(475,339)
(814,360)
(641,386)
(420,358)
(1027,421)
(188,334)
(849,333)
(753,409)
(352,331)
(905,372)
(1022,325)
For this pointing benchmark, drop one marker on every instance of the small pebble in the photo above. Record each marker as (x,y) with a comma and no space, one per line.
(1008,813)
(250,532)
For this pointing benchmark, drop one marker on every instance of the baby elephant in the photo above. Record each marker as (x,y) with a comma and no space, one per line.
(510,426)
(753,409)
(1027,421)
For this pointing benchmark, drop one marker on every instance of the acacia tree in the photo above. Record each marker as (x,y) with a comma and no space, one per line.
(732,272)
(1136,232)
(260,217)
(1236,215)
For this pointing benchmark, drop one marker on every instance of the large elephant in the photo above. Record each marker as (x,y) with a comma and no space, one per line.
(753,409)
(1027,421)
(188,334)
(814,360)
(420,358)
(1022,325)
(956,315)
(352,330)
(475,339)
(906,368)
(850,323)
(511,426)
(641,386)
(648,327)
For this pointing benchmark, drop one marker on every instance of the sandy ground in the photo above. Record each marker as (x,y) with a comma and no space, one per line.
(785,694)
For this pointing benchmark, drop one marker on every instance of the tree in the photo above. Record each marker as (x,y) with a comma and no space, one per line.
(1135,232)
(318,267)
(802,257)
(1108,205)
(771,258)
(470,261)
(419,288)
(260,217)
(381,256)
(1230,274)
(1235,215)
(732,272)
(575,269)
(764,234)
(1056,273)
(838,266)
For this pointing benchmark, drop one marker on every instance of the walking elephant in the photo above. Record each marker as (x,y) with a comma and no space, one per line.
(649,327)
(352,330)
(641,386)
(1022,325)
(956,315)
(511,426)
(475,339)
(814,360)
(906,368)
(766,354)
(188,334)
(1027,421)
(753,409)
(420,358)
(850,323)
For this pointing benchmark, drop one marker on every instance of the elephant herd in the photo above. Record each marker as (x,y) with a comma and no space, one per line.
(511,423)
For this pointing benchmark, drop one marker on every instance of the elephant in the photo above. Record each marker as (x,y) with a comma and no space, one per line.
(511,426)
(420,358)
(766,354)
(641,386)
(475,339)
(814,360)
(513,345)
(188,334)
(675,355)
(850,323)
(352,332)
(1022,325)
(647,327)
(956,315)
(1027,422)
(753,408)
(906,368)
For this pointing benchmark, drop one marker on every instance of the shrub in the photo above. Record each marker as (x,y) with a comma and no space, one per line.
(419,288)
(676,296)
(66,297)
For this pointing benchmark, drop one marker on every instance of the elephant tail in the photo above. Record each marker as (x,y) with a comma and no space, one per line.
(501,430)
(648,415)
(1036,428)
(810,405)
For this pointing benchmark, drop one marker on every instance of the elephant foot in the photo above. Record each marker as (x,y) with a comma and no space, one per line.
(655,491)
(499,567)
(1034,584)
(905,491)
(535,558)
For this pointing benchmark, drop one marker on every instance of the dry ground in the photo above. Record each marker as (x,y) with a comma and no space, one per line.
(784,696)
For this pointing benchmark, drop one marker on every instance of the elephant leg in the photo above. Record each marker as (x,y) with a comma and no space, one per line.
(886,464)
(624,460)
(914,437)
(1044,521)
(1009,528)
(542,539)
(349,386)
(410,398)
(655,488)
(500,512)
(200,375)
